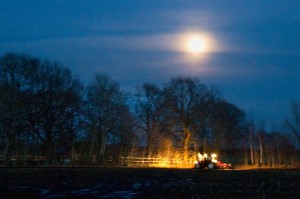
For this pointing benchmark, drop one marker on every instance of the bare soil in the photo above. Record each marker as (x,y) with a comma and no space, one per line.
(147,183)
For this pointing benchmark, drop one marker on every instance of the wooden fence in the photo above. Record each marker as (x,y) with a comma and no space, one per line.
(154,162)
(25,160)
(124,161)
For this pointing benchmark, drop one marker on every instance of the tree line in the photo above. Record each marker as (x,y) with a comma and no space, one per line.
(45,110)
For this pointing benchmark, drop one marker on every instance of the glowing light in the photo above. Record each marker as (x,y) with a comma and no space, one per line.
(195,47)
(196,44)
(213,158)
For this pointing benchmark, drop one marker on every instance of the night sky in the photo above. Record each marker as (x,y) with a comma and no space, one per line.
(252,52)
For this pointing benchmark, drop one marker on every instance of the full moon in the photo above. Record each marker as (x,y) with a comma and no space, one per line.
(195,44)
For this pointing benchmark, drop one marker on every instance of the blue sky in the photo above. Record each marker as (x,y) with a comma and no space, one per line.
(254,58)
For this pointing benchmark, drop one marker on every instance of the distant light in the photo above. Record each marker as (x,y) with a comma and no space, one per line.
(196,44)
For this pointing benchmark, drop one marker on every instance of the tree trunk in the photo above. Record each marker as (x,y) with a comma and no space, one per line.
(251,146)
(260,138)
(50,151)
(102,149)
(7,154)
(217,137)
(132,152)
(150,145)
(278,151)
(91,150)
(186,144)
(246,161)
(278,155)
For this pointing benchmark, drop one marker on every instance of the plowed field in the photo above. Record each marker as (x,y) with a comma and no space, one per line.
(147,183)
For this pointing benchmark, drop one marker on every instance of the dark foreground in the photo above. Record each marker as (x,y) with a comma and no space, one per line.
(147,183)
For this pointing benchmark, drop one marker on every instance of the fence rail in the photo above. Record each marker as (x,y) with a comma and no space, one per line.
(26,157)
(154,162)
(24,160)
(126,161)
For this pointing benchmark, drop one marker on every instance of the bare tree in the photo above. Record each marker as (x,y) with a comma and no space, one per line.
(228,126)
(184,99)
(293,124)
(15,73)
(149,110)
(261,147)
(56,101)
(251,137)
(104,108)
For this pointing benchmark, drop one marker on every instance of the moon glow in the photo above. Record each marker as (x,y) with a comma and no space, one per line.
(196,44)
